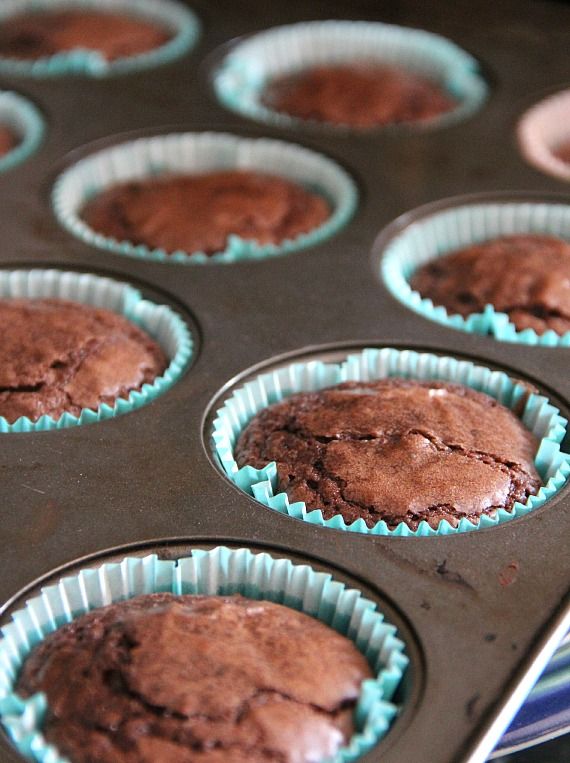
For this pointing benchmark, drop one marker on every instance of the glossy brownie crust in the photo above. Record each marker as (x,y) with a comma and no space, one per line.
(113,35)
(197,213)
(395,450)
(357,95)
(527,277)
(58,356)
(163,678)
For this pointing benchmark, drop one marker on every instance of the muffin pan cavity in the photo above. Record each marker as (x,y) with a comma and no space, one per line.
(256,61)
(179,22)
(433,231)
(161,323)
(196,154)
(219,571)
(278,384)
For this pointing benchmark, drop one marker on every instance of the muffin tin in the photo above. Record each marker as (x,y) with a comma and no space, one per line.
(480,612)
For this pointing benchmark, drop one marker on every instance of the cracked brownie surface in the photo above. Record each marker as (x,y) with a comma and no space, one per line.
(8,140)
(46,33)
(357,94)
(199,212)
(395,450)
(163,678)
(527,277)
(58,356)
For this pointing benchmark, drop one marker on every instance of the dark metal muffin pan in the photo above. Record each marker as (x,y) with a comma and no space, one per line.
(481,611)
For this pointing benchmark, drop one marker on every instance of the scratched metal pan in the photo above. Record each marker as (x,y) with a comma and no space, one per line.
(148,479)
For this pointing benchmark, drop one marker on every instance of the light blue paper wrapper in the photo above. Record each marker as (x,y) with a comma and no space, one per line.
(220,571)
(451,229)
(197,153)
(164,325)
(24,119)
(176,18)
(251,65)
(542,418)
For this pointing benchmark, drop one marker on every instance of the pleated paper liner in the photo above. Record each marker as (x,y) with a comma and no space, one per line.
(545,129)
(244,73)
(456,227)
(177,19)
(220,571)
(164,325)
(539,416)
(21,117)
(197,153)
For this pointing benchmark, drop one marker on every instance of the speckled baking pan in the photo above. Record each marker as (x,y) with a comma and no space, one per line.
(482,612)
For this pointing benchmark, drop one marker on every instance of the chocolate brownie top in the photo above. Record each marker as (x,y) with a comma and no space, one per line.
(46,33)
(395,450)
(8,140)
(58,356)
(205,679)
(358,95)
(526,276)
(194,213)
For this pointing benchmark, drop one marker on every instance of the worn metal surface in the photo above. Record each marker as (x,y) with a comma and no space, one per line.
(148,476)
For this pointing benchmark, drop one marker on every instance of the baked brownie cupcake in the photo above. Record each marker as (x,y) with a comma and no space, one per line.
(395,450)
(201,679)
(8,140)
(58,356)
(199,212)
(357,95)
(525,276)
(34,35)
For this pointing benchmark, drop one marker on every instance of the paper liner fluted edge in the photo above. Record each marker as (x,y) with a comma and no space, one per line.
(244,72)
(219,571)
(179,19)
(20,115)
(162,323)
(457,227)
(178,153)
(540,416)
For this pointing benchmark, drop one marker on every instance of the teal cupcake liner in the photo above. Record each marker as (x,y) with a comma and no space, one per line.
(247,70)
(220,571)
(164,325)
(539,416)
(176,18)
(21,116)
(448,230)
(195,153)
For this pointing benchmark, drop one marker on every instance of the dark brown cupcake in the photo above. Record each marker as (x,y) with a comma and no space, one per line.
(196,679)
(395,450)
(525,276)
(58,356)
(197,213)
(360,95)
(39,34)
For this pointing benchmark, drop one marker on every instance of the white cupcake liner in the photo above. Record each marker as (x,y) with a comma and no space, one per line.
(195,153)
(220,571)
(161,323)
(173,16)
(540,417)
(21,116)
(543,129)
(244,73)
(461,226)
